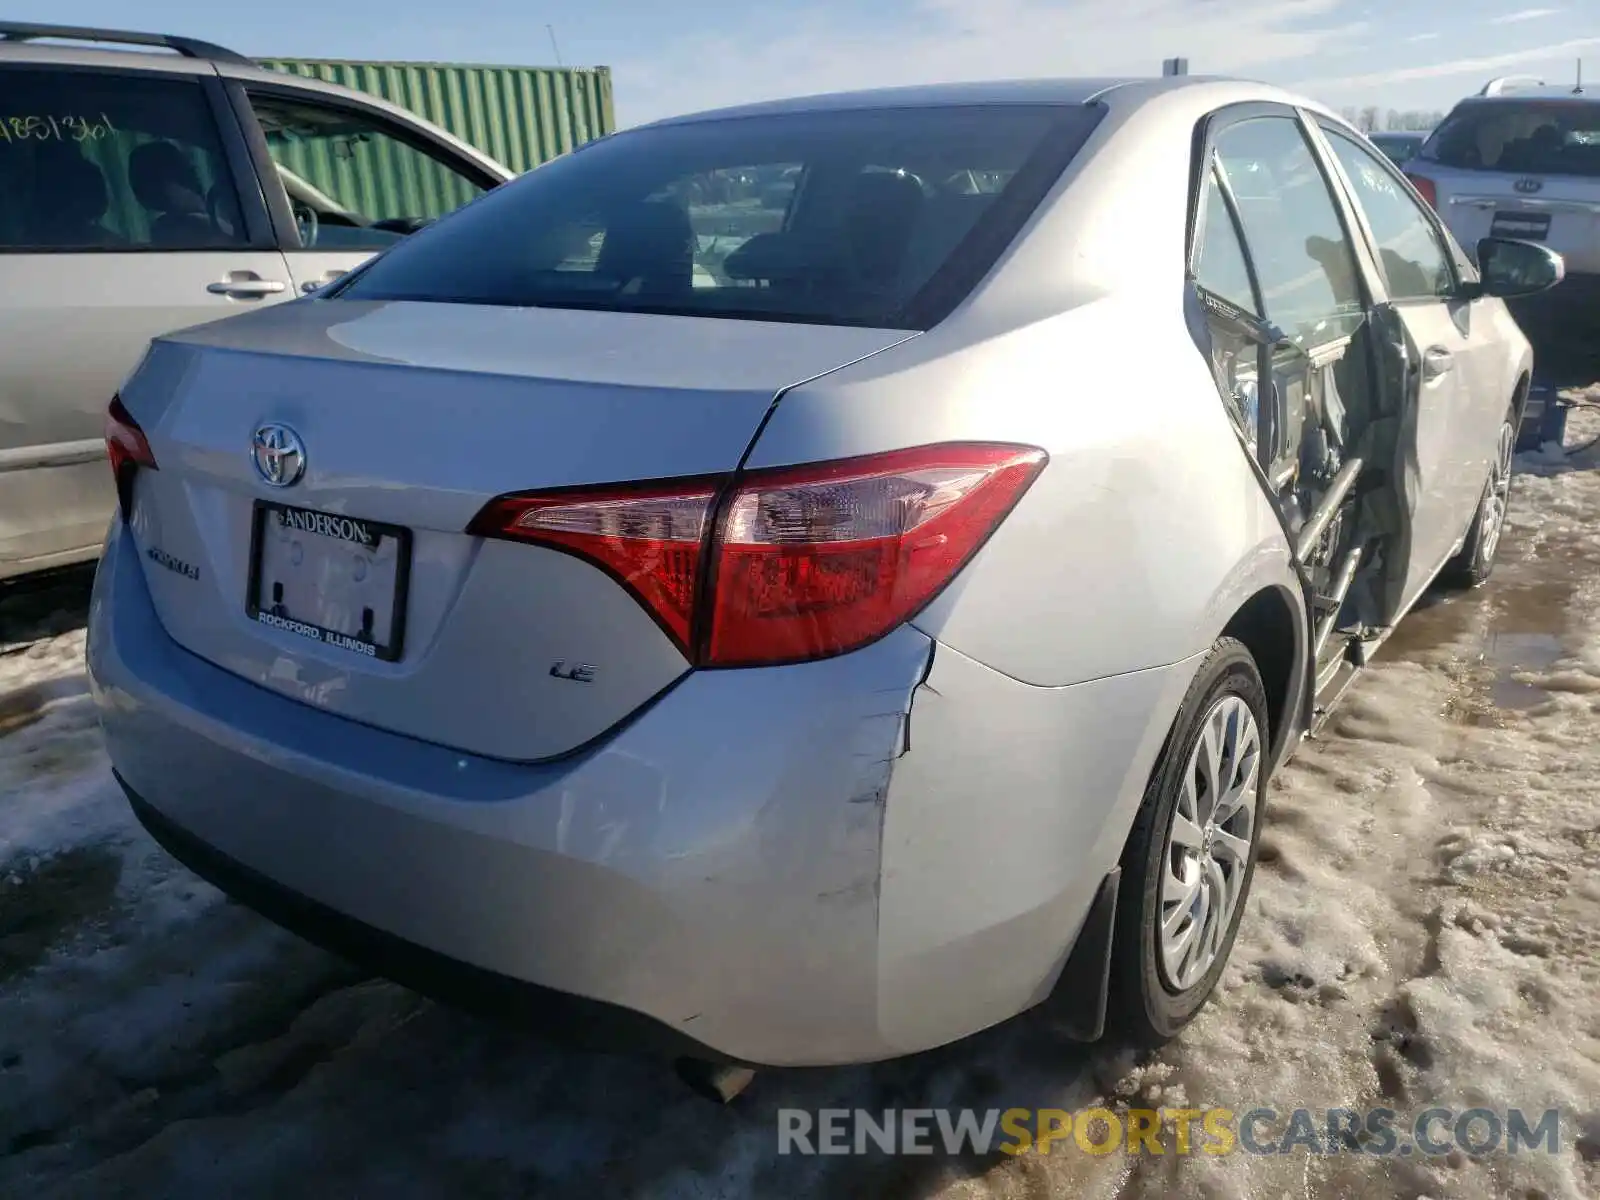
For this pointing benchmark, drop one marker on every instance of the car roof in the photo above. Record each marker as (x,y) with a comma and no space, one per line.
(1540,94)
(224,62)
(202,59)
(128,50)
(53,54)
(1112,90)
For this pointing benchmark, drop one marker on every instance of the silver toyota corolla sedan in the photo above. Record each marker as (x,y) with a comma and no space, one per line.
(803,583)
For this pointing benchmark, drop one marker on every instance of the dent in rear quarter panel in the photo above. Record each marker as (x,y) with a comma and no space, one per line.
(1009,808)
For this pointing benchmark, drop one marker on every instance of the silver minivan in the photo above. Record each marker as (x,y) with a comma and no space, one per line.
(142,191)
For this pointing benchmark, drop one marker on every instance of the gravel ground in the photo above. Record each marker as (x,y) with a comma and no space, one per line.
(1425,929)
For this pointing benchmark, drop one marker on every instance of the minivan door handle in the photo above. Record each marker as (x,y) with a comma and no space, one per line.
(246,283)
(1436,361)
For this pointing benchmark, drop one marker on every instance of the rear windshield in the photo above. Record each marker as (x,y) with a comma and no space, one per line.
(1529,137)
(883,218)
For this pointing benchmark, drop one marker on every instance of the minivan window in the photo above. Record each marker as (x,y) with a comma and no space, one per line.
(1530,137)
(91,160)
(872,217)
(354,181)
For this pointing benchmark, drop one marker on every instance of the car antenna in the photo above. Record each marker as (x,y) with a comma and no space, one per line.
(1578,90)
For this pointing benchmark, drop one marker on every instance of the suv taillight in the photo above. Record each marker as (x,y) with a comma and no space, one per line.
(790,564)
(128,450)
(1426,186)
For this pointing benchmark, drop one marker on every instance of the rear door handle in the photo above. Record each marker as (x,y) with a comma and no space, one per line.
(1436,361)
(246,283)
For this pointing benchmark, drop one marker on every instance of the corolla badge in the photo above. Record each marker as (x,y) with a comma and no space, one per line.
(279,455)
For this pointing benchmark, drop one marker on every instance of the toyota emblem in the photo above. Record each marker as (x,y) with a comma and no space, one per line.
(279,455)
(1528,186)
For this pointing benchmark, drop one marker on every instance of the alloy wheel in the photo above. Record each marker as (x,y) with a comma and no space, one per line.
(1496,497)
(1209,842)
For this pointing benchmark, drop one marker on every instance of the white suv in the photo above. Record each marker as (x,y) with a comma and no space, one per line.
(146,190)
(1522,160)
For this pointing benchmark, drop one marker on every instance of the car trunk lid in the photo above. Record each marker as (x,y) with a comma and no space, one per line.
(354,587)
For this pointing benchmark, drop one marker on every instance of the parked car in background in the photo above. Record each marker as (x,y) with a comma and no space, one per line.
(144,191)
(825,650)
(1522,160)
(1399,145)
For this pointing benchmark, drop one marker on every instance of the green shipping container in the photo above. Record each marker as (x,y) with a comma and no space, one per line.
(520,116)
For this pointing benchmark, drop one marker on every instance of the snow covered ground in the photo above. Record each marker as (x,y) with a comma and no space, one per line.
(1425,929)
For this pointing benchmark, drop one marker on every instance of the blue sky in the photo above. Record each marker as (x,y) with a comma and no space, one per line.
(675,55)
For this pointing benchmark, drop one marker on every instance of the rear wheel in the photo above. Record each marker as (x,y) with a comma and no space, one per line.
(1192,853)
(1474,564)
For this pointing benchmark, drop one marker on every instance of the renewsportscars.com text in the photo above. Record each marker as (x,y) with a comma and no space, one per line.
(1432,1132)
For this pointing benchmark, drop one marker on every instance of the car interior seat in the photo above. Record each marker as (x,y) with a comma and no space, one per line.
(881,216)
(168,187)
(649,249)
(70,199)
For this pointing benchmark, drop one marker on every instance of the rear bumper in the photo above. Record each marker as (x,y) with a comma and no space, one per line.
(755,868)
(462,985)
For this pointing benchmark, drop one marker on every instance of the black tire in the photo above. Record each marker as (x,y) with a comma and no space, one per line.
(1473,565)
(1145,1005)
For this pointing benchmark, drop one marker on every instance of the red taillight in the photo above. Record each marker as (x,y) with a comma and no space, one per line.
(649,538)
(803,562)
(818,560)
(1425,185)
(128,450)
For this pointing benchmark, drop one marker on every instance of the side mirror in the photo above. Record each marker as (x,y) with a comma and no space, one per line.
(1512,268)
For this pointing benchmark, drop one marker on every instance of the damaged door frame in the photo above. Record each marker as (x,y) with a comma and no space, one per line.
(1327,675)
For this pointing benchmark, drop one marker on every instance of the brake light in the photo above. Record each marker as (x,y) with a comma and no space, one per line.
(816,561)
(1426,186)
(798,563)
(650,539)
(128,449)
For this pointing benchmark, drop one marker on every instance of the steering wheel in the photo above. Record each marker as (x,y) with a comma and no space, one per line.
(220,223)
(305,219)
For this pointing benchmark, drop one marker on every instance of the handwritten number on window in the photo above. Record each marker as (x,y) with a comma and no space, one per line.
(46,127)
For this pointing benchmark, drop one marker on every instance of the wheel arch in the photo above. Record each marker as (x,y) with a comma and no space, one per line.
(1274,631)
(1519,396)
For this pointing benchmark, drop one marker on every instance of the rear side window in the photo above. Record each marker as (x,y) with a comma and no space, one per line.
(1220,264)
(97,161)
(1302,254)
(882,218)
(1221,269)
(1528,137)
